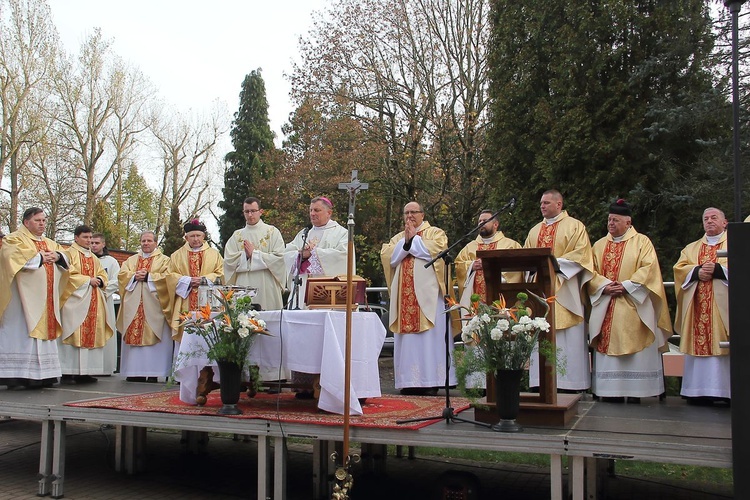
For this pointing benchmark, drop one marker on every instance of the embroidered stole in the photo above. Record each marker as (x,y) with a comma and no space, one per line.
(134,334)
(409,310)
(546,237)
(611,262)
(479,283)
(703,306)
(195,263)
(88,327)
(49,271)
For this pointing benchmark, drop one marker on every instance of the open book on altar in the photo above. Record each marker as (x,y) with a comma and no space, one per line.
(329,292)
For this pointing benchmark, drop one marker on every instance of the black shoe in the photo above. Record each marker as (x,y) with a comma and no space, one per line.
(152,380)
(607,399)
(67,380)
(135,379)
(84,379)
(304,395)
(633,401)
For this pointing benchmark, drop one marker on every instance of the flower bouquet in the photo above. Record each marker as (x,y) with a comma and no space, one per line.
(500,340)
(500,337)
(229,334)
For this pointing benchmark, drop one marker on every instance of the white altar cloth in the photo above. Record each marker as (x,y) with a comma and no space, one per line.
(309,341)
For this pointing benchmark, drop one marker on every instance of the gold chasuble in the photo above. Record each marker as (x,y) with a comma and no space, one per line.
(84,307)
(568,239)
(629,327)
(206,262)
(414,289)
(703,307)
(468,255)
(39,289)
(140,316)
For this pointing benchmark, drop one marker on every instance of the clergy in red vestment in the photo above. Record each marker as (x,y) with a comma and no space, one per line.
(629,323)
(570,245)
(417,304)
(701,281)
(85,317)
(146,335)
(191,265)
(34,271)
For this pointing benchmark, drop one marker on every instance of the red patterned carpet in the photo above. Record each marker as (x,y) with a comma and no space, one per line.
(382,412)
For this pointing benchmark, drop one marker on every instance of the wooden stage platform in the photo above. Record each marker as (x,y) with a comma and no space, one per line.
(667,431)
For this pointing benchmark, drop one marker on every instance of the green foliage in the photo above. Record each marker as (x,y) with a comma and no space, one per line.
(173,238)
(103,222)
(602,103)
(251,138)
(136,208)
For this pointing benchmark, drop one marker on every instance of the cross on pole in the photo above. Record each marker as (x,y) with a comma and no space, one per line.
(344,479)
(353,187)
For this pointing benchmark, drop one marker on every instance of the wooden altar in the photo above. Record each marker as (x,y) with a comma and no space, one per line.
(548,407)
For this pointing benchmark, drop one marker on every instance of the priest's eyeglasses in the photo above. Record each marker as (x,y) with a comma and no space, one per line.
(251,211)
(412,212)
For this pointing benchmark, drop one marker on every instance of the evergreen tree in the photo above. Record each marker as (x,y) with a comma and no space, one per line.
(604,100)
(173,238)
(102,222)
(251,137)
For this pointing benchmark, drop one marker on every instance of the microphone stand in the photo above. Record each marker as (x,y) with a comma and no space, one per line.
(447,414)
(297,280)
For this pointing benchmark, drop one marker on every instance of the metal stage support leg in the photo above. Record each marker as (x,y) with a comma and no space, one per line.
(374,457)
(195,442)
(596,477)
(58,460)
(264,467)
(279,468)
(555,477)
(576,465)
(130,449)
(323,468)
(45,458)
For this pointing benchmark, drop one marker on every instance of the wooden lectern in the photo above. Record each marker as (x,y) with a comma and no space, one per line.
(329,292)
(548,407)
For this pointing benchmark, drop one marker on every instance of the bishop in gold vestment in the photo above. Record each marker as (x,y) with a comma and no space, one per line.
(189,266)
(629,323)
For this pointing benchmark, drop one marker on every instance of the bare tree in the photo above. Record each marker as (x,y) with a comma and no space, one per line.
(102,100)
(414,73)
(28,47)
(188,163)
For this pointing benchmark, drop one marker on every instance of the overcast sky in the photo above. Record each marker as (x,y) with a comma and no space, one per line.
(196,51)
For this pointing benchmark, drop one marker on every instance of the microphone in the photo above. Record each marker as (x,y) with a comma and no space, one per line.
(306,230)
(512,203)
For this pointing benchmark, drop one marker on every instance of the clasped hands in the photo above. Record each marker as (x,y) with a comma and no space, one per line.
(706,271)
(49,257)
(615,289)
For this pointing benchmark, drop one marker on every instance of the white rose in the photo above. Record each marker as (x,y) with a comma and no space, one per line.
(525,320)
(486,318)
(243,332)
(503,325)
(496,334)
(517,329)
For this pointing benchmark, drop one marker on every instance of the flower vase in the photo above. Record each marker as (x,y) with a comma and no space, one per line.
(230,375)
(508,400)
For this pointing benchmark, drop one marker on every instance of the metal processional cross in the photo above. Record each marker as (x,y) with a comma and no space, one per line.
(344,480)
